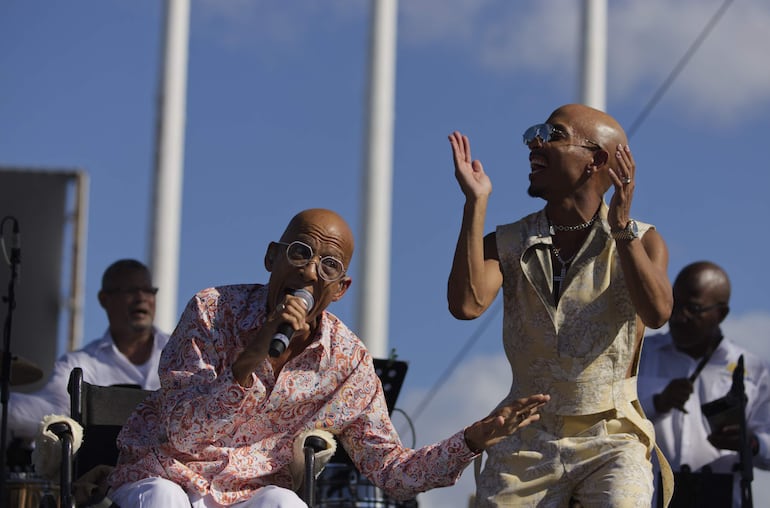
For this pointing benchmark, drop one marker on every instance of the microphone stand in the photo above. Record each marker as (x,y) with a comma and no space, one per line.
(5,379)
(746,464)
(64,433)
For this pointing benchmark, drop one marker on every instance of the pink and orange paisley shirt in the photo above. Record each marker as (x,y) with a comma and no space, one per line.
(210,435)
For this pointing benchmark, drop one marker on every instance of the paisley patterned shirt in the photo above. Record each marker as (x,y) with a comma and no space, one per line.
(210,435)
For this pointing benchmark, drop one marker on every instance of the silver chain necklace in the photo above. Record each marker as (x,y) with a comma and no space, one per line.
(558,280)
(564,262)
(553,228)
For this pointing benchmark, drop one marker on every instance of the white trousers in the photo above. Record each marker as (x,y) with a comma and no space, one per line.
(162,493)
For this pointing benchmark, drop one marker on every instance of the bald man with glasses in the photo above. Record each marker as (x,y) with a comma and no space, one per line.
(223,428)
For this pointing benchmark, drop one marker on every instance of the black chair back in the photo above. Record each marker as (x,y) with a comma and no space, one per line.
(102,411)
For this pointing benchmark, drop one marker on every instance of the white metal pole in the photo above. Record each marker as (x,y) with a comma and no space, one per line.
(169,161)
(373,302)
(77,291)
(594,57)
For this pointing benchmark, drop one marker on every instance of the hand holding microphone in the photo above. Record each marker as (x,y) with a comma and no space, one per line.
(285,331)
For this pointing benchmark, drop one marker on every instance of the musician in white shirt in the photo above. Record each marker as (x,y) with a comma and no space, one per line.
(127,353)
(692,365)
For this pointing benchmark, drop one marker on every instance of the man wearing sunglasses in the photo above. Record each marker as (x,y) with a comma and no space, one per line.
(127,353)
(222,429)
(692,365)
(580,281)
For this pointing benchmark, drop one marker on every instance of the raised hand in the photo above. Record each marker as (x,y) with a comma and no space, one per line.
(622,176)
(469,173)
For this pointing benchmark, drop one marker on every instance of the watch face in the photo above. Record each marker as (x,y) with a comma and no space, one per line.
(633,228)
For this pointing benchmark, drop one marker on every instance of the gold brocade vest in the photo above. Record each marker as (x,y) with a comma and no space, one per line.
(579,350)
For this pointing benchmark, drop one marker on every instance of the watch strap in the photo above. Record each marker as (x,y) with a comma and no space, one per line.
(627,233)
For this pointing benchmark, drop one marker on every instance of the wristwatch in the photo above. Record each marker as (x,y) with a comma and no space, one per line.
(629,232)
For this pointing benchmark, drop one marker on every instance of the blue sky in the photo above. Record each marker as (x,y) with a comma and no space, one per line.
(275,124)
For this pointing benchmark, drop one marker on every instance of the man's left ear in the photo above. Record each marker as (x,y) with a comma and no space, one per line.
(270,256)
(102,296)
(342,286)
(600,158)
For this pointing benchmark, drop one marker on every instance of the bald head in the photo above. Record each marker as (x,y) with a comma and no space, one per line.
(597,127)
(327,224)
(701,303)
(702,276)
(120,268)
(593,124)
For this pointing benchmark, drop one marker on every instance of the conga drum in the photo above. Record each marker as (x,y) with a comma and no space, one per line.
(26,490)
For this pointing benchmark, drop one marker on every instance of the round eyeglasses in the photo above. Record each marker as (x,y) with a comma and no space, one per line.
(298,254)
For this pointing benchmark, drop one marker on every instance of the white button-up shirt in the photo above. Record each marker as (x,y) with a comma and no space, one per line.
(102,364)
(683,437)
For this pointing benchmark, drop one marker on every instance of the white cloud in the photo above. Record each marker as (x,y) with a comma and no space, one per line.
(727,79)
(429,21)
(751,330)
(249,23)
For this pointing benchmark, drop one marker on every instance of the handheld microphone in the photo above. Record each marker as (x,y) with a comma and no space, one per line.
(16,246)
(284,333)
